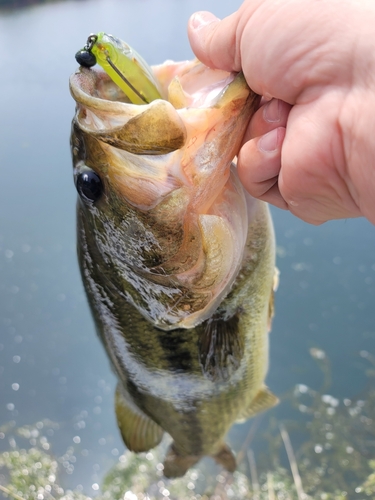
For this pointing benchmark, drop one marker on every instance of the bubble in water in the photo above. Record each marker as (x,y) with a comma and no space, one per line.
(302,388)
(129,495)
(317,353)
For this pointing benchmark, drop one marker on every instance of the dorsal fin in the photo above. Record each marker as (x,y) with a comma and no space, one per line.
(138,431)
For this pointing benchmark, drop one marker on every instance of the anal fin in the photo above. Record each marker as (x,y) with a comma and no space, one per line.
(138,431)
(264,400)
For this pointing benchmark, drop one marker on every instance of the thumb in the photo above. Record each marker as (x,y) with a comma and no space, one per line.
(214,41)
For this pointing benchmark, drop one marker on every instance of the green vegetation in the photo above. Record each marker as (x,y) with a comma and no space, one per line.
(335,460)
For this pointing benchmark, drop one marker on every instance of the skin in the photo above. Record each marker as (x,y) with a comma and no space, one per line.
(191,384)
(309,148)
(183,368)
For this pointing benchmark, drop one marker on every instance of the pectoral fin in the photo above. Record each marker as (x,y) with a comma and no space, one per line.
(264,400)
(138,431)
(221,348)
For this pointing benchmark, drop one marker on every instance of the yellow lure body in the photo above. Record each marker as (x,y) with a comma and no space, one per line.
(126,68)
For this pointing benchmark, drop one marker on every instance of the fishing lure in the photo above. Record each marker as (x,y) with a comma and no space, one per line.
(122,63)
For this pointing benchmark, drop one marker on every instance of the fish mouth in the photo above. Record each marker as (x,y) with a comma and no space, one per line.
(103,109)
(171,160)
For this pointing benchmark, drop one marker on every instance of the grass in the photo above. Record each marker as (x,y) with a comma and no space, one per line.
(335,460)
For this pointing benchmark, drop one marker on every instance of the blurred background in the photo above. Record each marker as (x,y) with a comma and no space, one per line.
(54,373)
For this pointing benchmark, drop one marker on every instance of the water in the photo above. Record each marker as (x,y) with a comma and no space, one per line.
(52,365)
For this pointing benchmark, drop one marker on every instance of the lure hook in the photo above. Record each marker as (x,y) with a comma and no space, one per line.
(91,40)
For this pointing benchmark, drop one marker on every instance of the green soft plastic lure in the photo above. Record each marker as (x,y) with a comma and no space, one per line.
(122,63)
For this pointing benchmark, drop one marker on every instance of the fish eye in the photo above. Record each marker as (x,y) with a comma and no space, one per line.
(89,185)
(85,58)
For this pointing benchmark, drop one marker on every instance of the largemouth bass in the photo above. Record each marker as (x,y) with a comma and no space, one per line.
(176,258)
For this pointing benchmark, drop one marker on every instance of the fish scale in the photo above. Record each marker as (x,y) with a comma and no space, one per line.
(178,262)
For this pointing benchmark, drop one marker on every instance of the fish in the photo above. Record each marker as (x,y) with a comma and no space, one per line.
(177,259)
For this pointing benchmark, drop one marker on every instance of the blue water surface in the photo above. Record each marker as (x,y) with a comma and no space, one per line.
(52,365)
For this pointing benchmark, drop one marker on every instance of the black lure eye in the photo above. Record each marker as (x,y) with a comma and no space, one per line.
(85,58)
(89,185)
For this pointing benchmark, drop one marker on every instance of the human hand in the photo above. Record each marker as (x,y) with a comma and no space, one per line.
(311,148)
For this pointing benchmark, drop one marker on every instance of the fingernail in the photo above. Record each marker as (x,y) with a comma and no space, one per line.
(201,19)
(272,111)
(268,142)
